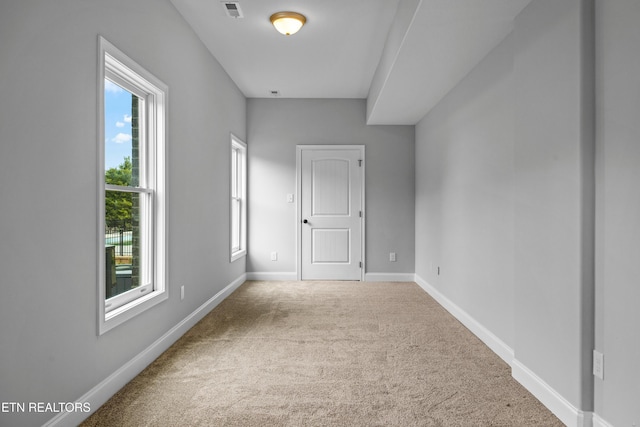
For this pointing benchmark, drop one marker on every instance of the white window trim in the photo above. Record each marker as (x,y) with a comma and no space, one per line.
(142,83)
(237,143)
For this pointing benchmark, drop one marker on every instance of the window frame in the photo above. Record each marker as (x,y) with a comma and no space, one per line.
(238,192)
(116,66)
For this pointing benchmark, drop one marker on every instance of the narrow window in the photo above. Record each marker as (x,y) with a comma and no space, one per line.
(238,198)
(132,189)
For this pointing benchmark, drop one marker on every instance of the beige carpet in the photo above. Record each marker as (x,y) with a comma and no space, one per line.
(326,354)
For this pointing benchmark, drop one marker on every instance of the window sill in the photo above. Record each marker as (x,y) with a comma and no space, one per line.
(238,255)
(129,311)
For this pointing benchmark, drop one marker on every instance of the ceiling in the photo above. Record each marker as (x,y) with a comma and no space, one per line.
(402,55)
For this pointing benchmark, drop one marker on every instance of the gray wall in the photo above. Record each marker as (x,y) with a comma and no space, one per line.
(553,156)
(48,182)
(618,210)
(505,190)
(275,127)
(465,196)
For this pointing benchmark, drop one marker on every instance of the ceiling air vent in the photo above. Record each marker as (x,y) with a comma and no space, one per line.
(233,9)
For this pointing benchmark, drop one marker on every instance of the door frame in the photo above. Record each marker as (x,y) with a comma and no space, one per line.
(299,150)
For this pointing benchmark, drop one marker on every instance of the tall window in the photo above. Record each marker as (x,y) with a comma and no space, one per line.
(238,198)
(132,189)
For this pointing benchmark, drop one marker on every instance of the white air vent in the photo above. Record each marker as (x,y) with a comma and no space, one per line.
(233,9)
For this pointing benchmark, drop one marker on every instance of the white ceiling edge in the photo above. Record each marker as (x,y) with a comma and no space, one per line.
(431,50)
(405,14)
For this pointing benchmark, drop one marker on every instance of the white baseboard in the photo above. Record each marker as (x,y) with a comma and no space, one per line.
(368,277)
(561,407)
(498,346)
(99,395)
(599,422)
(389,277)
(554,401)
(279,276)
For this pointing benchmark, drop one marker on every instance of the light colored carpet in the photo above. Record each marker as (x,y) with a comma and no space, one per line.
(326,354)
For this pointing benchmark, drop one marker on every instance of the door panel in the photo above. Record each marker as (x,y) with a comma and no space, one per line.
(330,245)
(331,202)
(330,187)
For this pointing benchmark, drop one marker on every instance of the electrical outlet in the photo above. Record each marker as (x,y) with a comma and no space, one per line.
(274,256)
(392,256)
(598,364)
(181,292)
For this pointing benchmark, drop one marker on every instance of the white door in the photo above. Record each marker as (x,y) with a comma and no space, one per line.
(331,217)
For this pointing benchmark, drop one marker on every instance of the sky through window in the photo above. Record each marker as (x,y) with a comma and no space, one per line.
(117,124)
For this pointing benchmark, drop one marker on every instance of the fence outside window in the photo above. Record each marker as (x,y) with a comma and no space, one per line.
(121,237)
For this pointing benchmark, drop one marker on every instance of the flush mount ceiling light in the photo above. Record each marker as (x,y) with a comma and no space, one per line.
(288,23)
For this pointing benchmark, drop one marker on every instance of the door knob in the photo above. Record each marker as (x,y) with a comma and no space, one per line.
(305,221)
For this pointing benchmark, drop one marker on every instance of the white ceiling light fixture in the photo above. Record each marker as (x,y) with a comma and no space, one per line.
(288,23)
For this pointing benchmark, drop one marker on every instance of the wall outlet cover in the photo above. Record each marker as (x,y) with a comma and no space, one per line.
(598,364)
